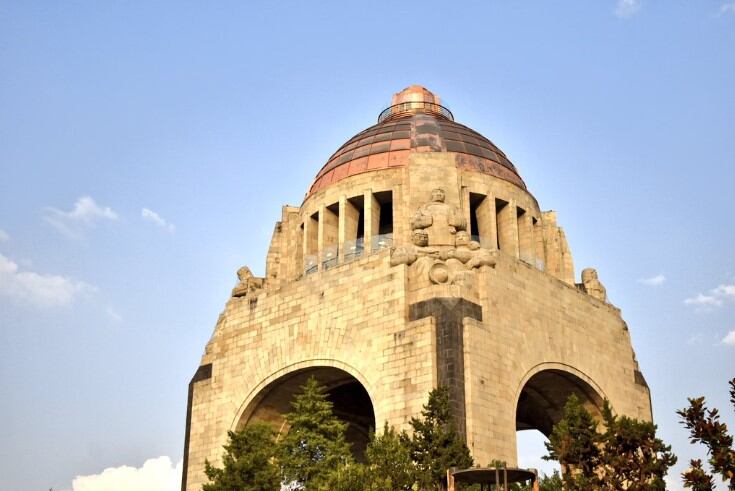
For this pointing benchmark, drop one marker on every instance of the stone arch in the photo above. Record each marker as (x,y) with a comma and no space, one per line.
(542,392)
(270,400)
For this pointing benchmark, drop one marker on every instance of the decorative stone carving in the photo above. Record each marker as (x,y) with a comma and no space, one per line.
(440,220)
(402,255)
(592,285)
(441,248)
(248,283)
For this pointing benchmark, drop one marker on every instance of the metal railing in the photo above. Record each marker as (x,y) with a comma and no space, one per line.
(411,106)
(330,256)
(381,242)
(311,264)
(352,249)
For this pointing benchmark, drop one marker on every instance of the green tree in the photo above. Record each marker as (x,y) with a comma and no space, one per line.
(545,483)
(697,478)
(435,444)
(550,483)
(247,462)
(627,455)
(575,443)
(705,427)
(389,458)
(632,458)
(348,477)
(315,443)
(388,467)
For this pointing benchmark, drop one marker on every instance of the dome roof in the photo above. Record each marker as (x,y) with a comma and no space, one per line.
(415,122)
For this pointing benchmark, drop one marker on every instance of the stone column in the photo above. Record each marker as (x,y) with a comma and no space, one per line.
(311,238)
(328,232)
(464,206)
(526,247)
(320,236)
(449,315)
(538,238)
(349,216)
(507,228)
(372,219)
(486,223)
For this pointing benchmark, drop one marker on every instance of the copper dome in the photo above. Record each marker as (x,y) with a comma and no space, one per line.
(415,122)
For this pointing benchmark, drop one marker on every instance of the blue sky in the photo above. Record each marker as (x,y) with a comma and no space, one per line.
(146,149)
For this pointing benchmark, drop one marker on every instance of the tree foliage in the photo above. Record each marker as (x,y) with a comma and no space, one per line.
(390,460)
(627,455)
(247,464)
(550,483)
(399,462)
(697,478)
(315,443)
(388,467)
(632,457)
(574,443)
(705,427)
(314,455)
(435,444)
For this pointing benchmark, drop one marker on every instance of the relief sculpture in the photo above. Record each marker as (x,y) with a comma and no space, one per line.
(592,285)
(441,248)
(248,283)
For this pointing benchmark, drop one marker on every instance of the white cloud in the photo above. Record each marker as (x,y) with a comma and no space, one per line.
(729,338)
(657,280)
(724,291)
(152,216)
(4,237)
(38,289)
(83,215)
(155,475)
(627,8)
(703,300)
(714,298)
(727,8)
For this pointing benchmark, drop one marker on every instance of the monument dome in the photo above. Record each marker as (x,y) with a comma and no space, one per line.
(415,122)
(417,259)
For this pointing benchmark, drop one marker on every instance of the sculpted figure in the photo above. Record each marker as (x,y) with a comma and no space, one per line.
(462,251)
(248,283)
(469,253)
(441,249)
(480,257)
(402,255)
(440,220)
(420,238)
(592,284)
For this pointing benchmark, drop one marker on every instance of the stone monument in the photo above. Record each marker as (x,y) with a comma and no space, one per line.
(417,258)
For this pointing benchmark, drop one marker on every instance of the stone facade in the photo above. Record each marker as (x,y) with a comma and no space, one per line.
(387,282)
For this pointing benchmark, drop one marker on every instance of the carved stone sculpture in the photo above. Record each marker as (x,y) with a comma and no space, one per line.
(440,220)
(248,283)
(592,285)
(441,249)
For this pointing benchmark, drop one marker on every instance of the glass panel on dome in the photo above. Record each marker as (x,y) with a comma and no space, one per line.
(330,256)
(382,241)
(352,249)
(310,264)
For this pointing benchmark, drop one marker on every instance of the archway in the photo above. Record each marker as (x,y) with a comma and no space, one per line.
(541,405)
(351,403)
